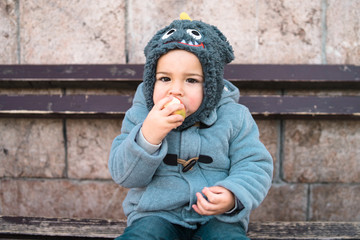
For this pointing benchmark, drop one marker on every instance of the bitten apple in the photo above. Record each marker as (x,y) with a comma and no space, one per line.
(182,111)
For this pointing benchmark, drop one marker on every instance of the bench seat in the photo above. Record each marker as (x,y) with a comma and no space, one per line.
(16,227)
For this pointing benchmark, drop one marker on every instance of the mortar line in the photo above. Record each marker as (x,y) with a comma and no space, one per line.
(324,4)
(18,39)
(280,175)
(66,168)
(308,202)
(281,141)
(127,22)
(257,31)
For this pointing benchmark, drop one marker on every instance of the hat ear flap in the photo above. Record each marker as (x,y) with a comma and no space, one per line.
(226,51)
(152,44)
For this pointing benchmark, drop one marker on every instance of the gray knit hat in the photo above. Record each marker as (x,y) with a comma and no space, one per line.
(203,40)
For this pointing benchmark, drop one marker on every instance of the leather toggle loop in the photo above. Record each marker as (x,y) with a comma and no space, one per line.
(189,164)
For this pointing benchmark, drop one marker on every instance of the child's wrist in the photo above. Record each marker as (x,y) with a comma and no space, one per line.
(237,208)
(149,147)
(150,137)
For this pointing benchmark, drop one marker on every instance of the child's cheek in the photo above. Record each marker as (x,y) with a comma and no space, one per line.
(156,99)
(157,95)
(193,104)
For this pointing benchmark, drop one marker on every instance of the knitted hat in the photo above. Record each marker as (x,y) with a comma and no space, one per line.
(207,43)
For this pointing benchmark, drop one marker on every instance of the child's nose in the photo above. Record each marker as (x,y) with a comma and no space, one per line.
(176,89)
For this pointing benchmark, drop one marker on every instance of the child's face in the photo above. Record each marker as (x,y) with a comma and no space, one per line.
(179,74)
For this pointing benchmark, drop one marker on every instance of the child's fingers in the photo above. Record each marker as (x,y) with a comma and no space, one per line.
(173,109)
(198,210)
(223,197)
(216,189)
(203,207)
(201,200)
(169,110)
(175,118)
(218,200)
(210,195)
(160,104)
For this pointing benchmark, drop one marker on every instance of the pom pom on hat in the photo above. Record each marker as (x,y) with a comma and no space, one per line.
(184,16)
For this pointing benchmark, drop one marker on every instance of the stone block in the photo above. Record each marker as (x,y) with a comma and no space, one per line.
(335,202)
(343,27)
(259,31)
(64,32)
(8,32)
(31,148)
(235,19)
(283,203)
(269,135)
(146,18)
(321,151)
(288,32)
(89,143)
(62,198)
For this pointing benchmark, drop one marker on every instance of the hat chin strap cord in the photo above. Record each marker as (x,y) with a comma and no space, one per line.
(187,164)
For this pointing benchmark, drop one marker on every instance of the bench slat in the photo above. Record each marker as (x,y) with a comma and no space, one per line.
(66,228)
(115,105)
(243,75)
(304,230)
(39,227)
(71,72)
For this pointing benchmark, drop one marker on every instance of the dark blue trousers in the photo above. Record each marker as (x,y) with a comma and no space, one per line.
(156,228)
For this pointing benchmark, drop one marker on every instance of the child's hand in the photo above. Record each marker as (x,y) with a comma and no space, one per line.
(160,121)
(220,200)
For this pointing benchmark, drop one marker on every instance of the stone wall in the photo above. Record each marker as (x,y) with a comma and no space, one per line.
(58,167)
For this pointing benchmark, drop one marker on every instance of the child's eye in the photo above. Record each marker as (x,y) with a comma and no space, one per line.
(192,80)
(164,79)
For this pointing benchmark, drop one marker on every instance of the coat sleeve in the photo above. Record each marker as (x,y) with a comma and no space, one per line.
(129,164)
(251,168)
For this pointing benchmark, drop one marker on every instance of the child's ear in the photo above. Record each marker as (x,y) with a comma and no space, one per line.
(226,51)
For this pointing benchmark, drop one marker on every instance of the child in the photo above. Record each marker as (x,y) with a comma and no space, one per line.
(196,177)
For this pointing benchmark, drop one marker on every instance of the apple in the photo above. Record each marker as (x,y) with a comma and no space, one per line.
(182,111)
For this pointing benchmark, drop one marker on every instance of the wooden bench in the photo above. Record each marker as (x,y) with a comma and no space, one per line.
(127,76)
(65,228)
(278,78)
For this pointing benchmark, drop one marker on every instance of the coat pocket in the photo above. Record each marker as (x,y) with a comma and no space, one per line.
(164,193)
